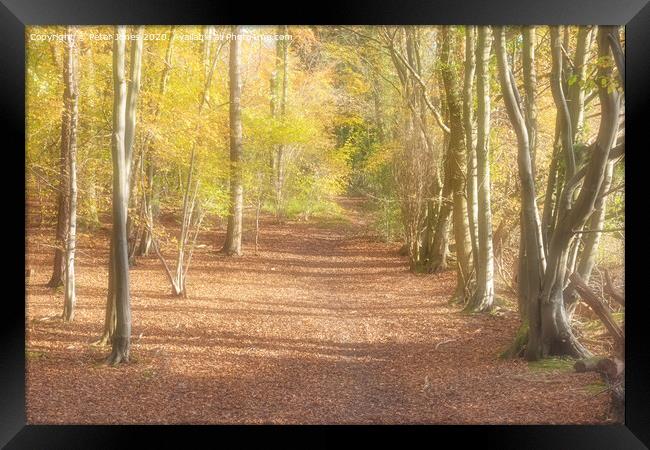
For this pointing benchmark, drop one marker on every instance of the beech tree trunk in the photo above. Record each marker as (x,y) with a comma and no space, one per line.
(439,251)
(549,328)
(71,102)
(63,209)
(484,296)
(576,91)
(117,320)
(133,92)
(534,256)
(529,41)
(599,307)
(468,116)
(458,160)
(556,334)
(121,339)
(232,245)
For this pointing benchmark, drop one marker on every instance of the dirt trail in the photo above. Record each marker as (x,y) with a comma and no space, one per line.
(325,325)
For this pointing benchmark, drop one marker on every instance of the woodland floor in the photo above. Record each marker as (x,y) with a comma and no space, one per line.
(325,325)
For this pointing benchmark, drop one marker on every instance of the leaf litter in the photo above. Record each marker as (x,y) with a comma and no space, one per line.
(324,325)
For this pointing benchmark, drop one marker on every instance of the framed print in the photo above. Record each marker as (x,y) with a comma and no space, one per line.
(405,213)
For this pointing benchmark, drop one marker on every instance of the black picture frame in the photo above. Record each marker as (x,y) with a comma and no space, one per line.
(15,15)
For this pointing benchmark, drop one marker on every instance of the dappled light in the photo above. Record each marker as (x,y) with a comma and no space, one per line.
(325,224)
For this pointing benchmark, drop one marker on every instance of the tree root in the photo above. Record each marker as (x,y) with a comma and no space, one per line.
(102,341)
(518,346)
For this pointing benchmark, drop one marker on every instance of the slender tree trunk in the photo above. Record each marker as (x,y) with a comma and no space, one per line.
(232,245)
(121,339)
(275,112)
(148,210)
(63,213)
(529,41)
(110,319)
(534,258)
(440,243)
(191,214)
(458,155)
(93,210)
(71,100)
(591,240)
(133,229)
(124,119)
(576,91)
(468,116)
(133,92)
(550,331)
(548,215)
(282,53)
(597,222)
(149,161)
(484,295)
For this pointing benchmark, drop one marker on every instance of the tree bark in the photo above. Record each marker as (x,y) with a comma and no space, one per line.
(576,91)
(484,296)
(556,333)
(232,245)
(468,116)
(596,222)
(63,213)
(439,250)
(121,336)
(590,242)
(529,42)
(534,257)
(598,306)
(458,155)
(71,101)
(133,92)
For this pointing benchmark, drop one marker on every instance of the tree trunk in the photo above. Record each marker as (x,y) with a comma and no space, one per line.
(132,95)
(149,162)
(534,257)
(71,101)
(576,91)
(124,122)
(529,42)
(282,52)
(591,241)
(440,244)
(599,307)
(556,336)
(63,213)
(597,222)
(110,319)
(144,245)
(468,115)
(232,245)
(484,295)
(458,155)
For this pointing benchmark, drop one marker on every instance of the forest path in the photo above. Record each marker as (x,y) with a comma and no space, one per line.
(324,325)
